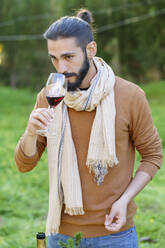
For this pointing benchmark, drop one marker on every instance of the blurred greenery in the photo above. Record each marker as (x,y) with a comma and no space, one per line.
(130,36)
(24,197)
(72,242)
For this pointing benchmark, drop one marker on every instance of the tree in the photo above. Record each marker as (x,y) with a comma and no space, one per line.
(130,37)
(26,61)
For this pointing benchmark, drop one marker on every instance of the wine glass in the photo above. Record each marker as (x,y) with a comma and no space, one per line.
(56,88)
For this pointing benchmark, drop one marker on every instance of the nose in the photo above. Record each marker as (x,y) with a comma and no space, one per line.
(61,68)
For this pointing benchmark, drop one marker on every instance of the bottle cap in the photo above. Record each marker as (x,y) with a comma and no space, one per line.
(40,235)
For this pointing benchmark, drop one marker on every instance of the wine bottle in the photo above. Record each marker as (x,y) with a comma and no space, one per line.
(40,236)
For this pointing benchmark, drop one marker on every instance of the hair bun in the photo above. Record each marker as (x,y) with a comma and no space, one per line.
(85,15)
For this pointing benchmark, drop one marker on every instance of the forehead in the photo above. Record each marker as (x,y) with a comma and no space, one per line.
(63,45)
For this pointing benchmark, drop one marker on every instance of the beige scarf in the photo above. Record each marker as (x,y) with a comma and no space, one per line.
(64,179)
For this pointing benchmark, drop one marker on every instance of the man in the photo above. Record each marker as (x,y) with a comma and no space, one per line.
(103,119)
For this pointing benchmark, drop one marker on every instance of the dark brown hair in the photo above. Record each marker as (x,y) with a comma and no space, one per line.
(78,26)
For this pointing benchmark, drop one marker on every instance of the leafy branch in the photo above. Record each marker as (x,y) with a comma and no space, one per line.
(72,242)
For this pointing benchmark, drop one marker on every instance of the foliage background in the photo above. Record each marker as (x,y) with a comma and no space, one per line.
(130,36)
(24,197)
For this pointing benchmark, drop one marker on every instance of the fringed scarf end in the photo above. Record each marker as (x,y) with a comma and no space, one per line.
(100,168)
(74,211)
(52,231)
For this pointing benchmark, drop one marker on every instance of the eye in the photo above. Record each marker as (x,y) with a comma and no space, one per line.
(53,58)
(69,57)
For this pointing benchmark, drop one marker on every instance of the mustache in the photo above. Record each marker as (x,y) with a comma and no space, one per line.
(69,74)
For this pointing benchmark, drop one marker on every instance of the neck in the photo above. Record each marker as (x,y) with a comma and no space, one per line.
(91,73)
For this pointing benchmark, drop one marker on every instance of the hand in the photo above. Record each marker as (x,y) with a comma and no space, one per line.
(39,119)
(117,217)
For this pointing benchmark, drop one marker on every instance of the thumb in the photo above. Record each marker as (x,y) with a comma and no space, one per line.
(108,219)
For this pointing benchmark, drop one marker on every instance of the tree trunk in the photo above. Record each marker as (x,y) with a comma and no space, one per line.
(13,78)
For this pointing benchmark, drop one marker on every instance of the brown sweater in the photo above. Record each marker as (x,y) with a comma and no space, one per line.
(134,129)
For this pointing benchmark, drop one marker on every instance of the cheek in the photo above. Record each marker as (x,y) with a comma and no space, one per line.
(76,66)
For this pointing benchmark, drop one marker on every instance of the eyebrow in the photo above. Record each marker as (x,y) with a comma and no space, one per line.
(50,55)
(62,55)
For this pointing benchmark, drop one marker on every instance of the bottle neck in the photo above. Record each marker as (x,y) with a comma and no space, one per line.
(41,243)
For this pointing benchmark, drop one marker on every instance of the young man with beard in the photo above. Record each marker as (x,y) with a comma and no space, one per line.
(103,119)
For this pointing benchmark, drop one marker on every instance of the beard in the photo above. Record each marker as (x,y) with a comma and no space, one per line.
(79,76)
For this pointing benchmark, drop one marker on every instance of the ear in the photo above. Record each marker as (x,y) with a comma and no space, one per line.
(91,49)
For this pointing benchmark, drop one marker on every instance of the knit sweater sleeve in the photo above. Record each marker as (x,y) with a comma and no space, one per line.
(23,162)
(144,134)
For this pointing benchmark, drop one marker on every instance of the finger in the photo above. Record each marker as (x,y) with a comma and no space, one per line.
(49,114)
(38,124)
(42,111)
(114,227)
(108,219)
(41,117)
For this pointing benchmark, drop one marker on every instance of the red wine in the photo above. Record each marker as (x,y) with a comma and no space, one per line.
(54,100)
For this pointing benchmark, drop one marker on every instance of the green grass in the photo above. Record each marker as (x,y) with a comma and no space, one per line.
(24,197)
